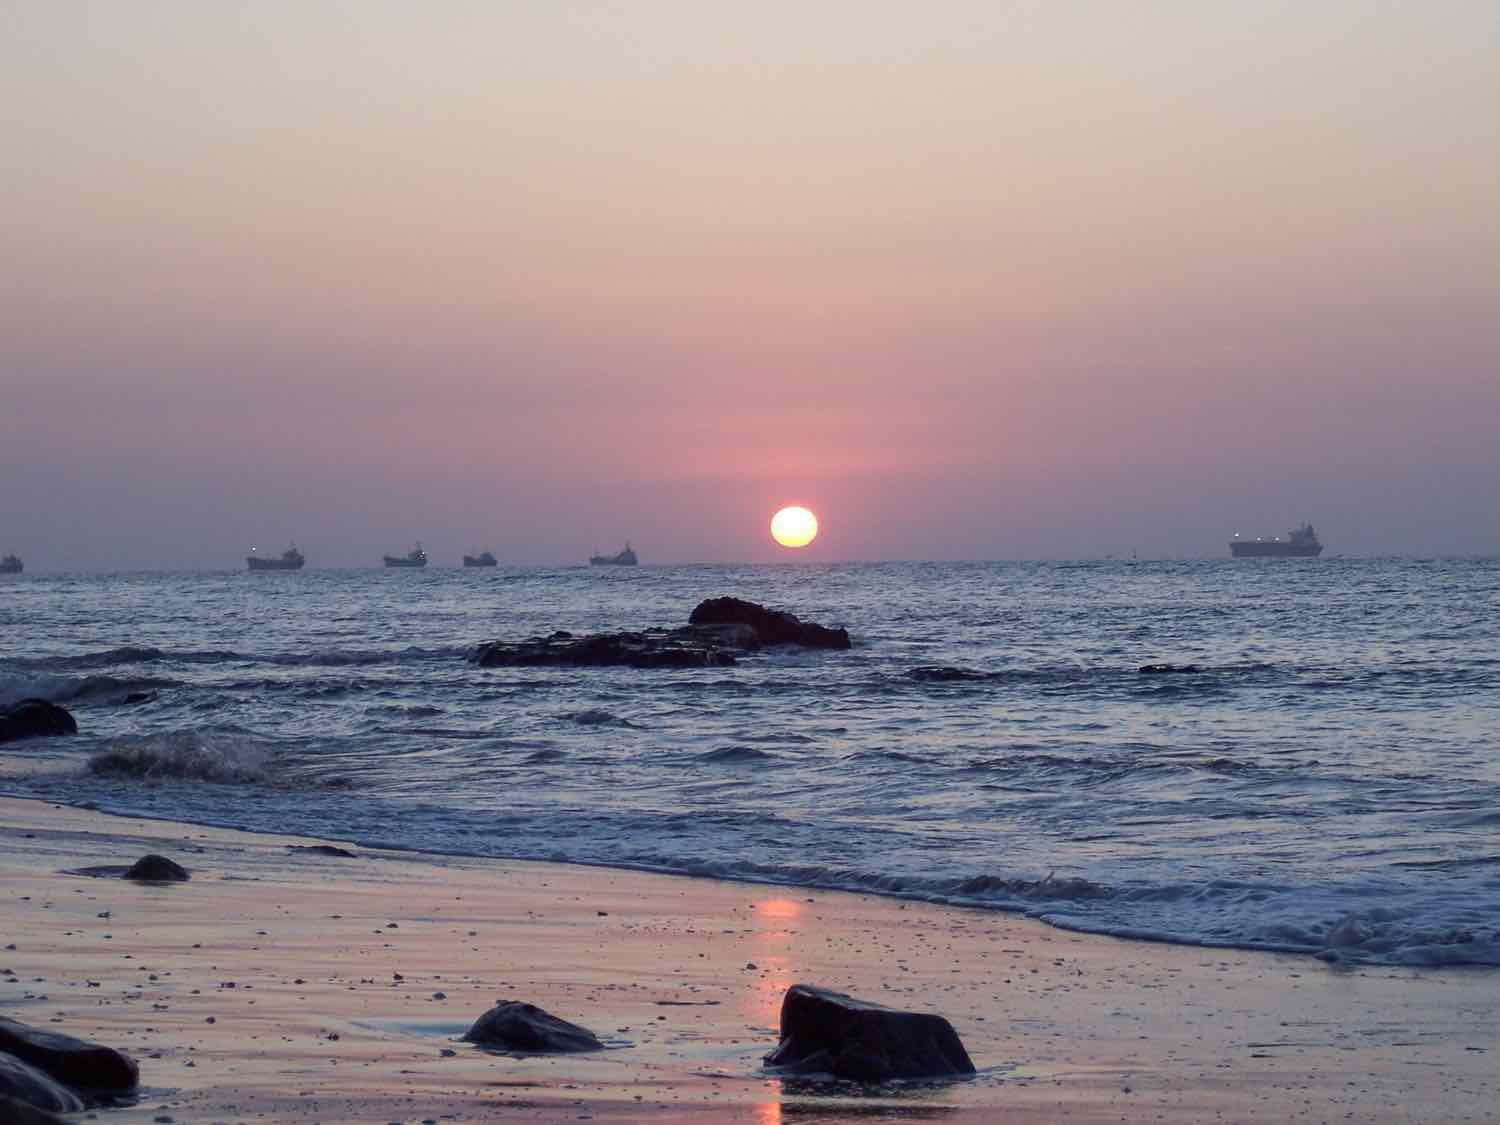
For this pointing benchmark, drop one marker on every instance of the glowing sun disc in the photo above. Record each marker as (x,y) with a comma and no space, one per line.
(794,527)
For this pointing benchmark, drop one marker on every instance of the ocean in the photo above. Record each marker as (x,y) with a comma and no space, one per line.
(1327,782)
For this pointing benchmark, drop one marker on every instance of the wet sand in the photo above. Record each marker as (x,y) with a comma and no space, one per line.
(283,985)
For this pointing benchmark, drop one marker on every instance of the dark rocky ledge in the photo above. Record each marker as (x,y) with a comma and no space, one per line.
(31,718)
(73,1062)
(719,632)
(650,648)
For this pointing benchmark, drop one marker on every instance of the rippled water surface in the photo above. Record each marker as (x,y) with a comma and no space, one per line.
(1326,781)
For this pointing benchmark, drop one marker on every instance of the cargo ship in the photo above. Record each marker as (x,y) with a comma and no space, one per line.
(1301,543)
(484,558)
(624,558)
(291,559)
(11,564)
(415,557)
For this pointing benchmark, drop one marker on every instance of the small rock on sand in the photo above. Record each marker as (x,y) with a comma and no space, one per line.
(157,869)
(515,1026)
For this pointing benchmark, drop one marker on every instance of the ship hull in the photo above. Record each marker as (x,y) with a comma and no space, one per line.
(1250,549)
(273,564)
(11,568)
(471,561)
(414,564)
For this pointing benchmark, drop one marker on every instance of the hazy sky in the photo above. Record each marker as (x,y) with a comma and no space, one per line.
(970,279)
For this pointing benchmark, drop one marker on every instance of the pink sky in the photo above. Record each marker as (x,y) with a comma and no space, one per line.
(972,280)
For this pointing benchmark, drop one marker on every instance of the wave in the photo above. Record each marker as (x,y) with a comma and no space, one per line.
(189,758)
(63,689)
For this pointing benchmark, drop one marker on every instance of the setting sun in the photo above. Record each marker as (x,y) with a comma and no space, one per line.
(794,527)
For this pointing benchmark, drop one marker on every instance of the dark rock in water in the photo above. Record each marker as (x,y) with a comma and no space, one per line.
(773,627)
(14,1112)
(136,697)
(322,849)
(32,718)
(652,648)
(22,1082)
(74,1062)
(934,673)
(156,869)
(1167,669)
(514,1026)
(829,1032)
(720,630)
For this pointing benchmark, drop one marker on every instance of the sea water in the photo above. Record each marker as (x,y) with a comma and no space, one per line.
(1327,781)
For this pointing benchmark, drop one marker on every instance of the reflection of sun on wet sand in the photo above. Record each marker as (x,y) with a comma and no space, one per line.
(337,989)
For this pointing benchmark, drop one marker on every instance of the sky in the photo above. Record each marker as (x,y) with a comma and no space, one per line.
(970,279)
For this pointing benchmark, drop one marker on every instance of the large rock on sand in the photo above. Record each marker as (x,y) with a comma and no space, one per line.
(14,1112)
(31,718)
(73,1062)
(22,1082)
(150,868)
(829,1032)
(514,1026)
(772,626)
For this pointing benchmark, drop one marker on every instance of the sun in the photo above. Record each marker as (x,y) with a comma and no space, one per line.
(794,527)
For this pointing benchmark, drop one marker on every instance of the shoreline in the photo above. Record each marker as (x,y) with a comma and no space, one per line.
(336,985)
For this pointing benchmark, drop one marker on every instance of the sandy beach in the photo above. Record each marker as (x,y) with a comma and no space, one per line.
(285,985)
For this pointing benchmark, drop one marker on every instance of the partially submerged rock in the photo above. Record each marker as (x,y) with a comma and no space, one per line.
(828,1032)
(148,869)
(322,849)
(1167,669)
(719,631)
(515,1026)
(650,648)
(34,718)
(22,1082)
(73,1062)
(945,673)
(772,626)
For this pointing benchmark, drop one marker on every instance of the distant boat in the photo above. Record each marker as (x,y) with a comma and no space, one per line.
(624,558)
(11,564)
(484,558)
(291,559)
(1301,543)
(415,557)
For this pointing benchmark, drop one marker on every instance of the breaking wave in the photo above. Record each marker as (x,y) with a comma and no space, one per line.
(187,758)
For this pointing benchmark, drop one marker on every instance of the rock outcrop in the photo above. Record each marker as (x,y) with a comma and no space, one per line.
(22,1082)
(772,627)
(651,648)
(32,718)
(14,1112)
(515,1026)
(828,1032)
(719,632)
(1167,669)
(73,1062)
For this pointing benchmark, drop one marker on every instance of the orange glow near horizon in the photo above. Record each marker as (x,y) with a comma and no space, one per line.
(794,527)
